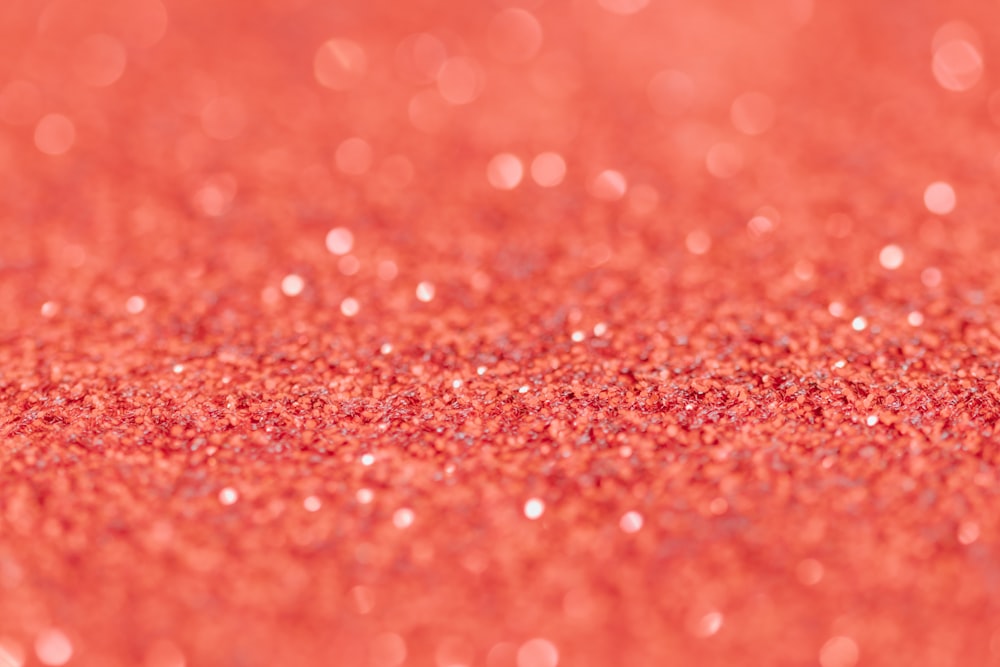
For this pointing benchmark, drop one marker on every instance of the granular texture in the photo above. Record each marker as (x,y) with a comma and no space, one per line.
(570,333)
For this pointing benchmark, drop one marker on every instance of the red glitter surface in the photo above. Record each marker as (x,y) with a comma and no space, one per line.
(583,333)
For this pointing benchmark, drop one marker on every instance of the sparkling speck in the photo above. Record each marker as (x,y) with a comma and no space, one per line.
(339,240)
(367,459)
(859,323)
(534,508)
(577,336)
(872,420)
(49,309)
(505,171)
(891,257)
(292,285)
(708,625)
(548,169)
(135,305)
(915,318)
(631,522)
(350,307)
(425,292)
(53,647)
(403,518)
(228,496)
(364,496)
(939,198)
(312,504)
(600,329)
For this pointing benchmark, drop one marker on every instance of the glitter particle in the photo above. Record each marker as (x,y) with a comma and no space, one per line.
(292,285)
(534,508)
(631,522)
(939,198)
(425,292)
(339,240)
(891,257)
(403,518)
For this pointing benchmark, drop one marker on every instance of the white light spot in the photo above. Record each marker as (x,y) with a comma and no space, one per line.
(930,277)
(403,518)
(939,198)
(609,185)
(631,522)
(367,459)
(350,307)
(178,368)
(708,625)
(839,652)
(425,291)
(135,305)
(504,171)
(840,363)
(481,370)
(537,652)
(339,240)
(460,80)
(228,496)
(915,318)
(534,508)
(600,329)
(53,647)
(386,348)
(312,504)
(859,323)
(514,36)
(54,134)
(698,242)
(752,113)
(577,336)
(548,169)
(871,420)
(455,384)
(724,160)
(365,496)
(49,309)
(836,309)
(340,64)
(891,257)
(523,389)
(292,285)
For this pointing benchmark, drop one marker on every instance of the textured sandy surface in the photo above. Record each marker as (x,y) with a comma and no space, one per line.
(443,333)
